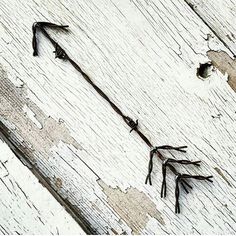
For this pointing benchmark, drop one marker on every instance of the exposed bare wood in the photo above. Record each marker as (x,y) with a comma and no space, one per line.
(224,63)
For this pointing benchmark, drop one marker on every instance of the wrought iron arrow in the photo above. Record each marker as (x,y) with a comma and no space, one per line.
(154,150)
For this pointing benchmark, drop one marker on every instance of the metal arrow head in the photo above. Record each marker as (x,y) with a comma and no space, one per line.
(40,26)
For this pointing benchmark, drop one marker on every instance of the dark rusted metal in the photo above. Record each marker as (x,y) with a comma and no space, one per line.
(181,178)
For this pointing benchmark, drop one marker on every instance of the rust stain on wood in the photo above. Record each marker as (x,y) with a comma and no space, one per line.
(133,206)
(225,64)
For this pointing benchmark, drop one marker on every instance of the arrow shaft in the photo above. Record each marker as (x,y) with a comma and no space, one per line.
(127,120)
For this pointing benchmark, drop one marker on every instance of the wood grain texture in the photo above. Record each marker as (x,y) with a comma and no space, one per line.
(144,55)
(26,206)
(220,16)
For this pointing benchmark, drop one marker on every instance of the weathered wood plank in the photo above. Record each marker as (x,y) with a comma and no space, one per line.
(26,206)
(145,56)
(220,16)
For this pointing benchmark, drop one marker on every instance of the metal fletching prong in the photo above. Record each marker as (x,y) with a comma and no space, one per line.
(167,147)
(50,25)
(181,178)
(150,167)
(177,207)
(163,185)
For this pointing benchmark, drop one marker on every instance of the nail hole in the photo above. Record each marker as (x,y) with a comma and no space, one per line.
(204,70)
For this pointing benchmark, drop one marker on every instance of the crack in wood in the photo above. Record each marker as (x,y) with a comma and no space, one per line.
(195,10)
(71,209)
